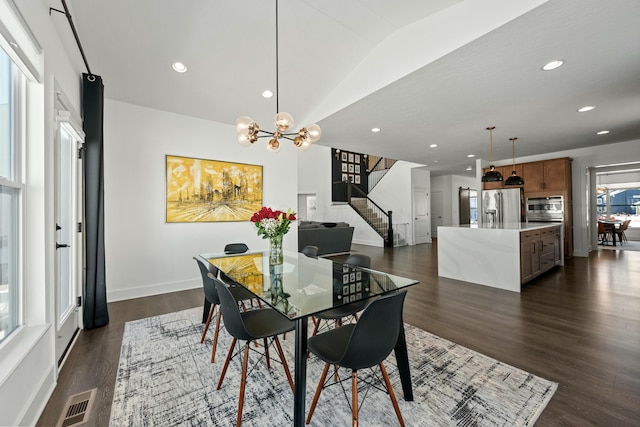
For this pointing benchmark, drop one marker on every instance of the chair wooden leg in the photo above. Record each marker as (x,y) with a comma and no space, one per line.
(284,362)
(316,325)
(354,399)
(226,363)
(266,353)
(392,395)
(316,396)
(215,337)
(243,383)
(206,325)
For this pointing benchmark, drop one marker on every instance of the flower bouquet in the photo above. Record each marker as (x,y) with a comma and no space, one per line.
(272,225)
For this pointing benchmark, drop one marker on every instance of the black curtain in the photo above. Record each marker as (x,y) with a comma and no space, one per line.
(95,305)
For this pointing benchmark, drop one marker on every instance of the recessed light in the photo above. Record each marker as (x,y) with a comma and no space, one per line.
(267,94)
(433,145)
(552,65)
(374,130)
(179,67)
(471,155)
(585,108)
(436,161)
(603,132)
(469,168)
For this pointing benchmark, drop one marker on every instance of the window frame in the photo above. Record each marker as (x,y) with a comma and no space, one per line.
(17,181)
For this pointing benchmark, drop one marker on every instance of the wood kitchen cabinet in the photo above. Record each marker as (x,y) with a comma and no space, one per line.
(547,175)
(539,252)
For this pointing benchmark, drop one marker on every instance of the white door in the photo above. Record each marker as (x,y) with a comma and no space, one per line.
(421,215)
(68,243)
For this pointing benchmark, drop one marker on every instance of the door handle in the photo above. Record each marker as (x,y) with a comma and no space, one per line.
(58,245)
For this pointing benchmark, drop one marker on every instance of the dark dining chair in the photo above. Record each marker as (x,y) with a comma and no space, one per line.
(262,323)
(361,345)
(622,237)
(310,251)
(602,233)
(236,248)
(239,293)
(336,315)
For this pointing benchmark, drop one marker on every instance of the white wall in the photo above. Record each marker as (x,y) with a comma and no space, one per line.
(449,185)
(145,255)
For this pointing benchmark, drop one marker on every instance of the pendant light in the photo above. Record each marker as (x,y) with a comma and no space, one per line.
(492,174)
(514,179)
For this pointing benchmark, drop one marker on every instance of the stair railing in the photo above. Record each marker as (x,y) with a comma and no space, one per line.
(380,220)
(381,166)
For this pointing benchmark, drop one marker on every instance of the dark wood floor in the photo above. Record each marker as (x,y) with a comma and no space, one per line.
(578,325)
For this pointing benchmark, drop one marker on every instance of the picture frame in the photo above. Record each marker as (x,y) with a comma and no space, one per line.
(351,178)
(350,157)
(344,156)
(357,168)
(203,190)
(357,179)
(350,168)
(345,177)
(356,158)
(344,167)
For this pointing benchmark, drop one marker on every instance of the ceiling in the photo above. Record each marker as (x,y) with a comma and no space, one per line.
(424,72)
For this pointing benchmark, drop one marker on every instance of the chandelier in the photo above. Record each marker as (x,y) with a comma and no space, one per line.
(248,131)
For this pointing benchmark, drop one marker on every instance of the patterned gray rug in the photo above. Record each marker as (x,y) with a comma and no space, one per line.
(165,379)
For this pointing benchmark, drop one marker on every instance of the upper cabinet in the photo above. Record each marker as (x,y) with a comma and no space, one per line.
(539,177)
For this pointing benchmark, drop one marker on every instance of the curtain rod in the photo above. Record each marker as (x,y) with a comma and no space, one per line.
(75,34)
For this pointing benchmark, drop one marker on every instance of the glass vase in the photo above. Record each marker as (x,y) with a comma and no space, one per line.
(275,250)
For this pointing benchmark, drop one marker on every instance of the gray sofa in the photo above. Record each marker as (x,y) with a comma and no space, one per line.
(329,237)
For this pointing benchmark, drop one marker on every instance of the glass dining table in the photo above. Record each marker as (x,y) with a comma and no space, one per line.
(302,286)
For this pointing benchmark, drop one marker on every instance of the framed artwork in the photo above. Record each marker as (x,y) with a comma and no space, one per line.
(345,177)
(344,156)
(351,157)
(351,178)
(350,168)
(357,169)
(200,190)
(344,167)
(356,158)
(357,179)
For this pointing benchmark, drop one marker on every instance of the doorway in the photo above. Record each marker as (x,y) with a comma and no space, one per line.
(68,224)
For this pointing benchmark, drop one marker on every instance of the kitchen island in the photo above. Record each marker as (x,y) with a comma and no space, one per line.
(503,256)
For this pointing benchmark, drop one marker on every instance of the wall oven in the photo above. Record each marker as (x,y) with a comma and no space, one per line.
(545,209)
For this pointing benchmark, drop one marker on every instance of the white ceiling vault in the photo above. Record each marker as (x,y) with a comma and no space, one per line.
(424,72)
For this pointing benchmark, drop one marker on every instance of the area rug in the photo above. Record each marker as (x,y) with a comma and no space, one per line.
(165,378)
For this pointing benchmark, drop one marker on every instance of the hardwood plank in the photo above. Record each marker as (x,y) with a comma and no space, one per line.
(578,325)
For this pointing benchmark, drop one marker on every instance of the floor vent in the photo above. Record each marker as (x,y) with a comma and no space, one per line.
(77,409)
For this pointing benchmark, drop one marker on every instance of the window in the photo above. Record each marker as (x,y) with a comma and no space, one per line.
(11,187)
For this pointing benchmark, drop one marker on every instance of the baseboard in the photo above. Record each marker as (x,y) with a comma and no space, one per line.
(152,289)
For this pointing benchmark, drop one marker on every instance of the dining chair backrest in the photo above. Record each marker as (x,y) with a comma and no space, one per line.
(235,248)
(376,332)
(208,284)
(625,225)
(359,260)
(601,228)
(233,322)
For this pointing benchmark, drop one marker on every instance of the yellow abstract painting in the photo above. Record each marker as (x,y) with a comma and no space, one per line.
(200,190)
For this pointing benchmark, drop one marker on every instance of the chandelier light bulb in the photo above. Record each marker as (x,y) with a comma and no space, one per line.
(283,121)
(243,140)
(314,133)
(243,123)
(273,145)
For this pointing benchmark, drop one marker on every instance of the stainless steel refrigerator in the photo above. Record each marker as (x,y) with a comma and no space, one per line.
(502,206)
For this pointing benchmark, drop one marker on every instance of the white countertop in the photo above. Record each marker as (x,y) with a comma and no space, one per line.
(517,226)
